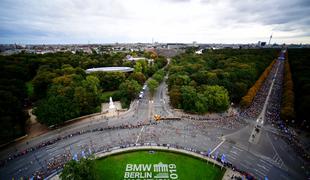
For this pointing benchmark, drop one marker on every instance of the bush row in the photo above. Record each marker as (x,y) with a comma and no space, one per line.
(288,97)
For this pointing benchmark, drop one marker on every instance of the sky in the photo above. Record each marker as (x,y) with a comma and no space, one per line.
(164,21)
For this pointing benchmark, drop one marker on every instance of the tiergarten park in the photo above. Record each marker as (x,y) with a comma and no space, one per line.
(189,113)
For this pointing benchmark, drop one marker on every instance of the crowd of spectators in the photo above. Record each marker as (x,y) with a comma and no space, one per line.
(55,164)
(230,121)
(59,138)
(256,107)
(274,103)
(273,109)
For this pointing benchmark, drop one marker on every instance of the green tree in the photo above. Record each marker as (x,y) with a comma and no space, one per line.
(201,105)
(159,75)
(130,88)
(91,83)
(217,98)
(41,82)
(189,97)
(56,110)
(86,100)
(200,77)
(175,97)
(110,81)
(138,67)
(212,78)
(79,170)
(128,91)
(238,91)
(179,80)
(67,69)
(152,84)
(160,61)
(12,117)
(138,76)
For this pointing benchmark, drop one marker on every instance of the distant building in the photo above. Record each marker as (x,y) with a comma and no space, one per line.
(176,45)
(199,51)
(109,69)
(261,44)
(130,58)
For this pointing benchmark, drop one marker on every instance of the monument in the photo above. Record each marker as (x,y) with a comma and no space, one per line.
(112,108)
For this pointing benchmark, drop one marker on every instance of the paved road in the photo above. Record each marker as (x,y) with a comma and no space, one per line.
(270,156)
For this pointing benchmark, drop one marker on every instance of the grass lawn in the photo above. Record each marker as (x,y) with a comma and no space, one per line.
(105,96)
(186,167)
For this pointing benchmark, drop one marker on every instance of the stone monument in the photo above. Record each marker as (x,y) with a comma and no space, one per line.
(112,108)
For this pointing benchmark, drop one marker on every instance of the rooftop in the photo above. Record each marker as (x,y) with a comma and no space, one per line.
(109,69)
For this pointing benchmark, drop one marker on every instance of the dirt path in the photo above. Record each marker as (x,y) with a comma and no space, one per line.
(33,127)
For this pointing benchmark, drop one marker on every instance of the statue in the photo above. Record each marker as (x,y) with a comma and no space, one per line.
(111,106)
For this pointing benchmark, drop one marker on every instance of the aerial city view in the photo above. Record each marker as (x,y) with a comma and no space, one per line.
(156,90)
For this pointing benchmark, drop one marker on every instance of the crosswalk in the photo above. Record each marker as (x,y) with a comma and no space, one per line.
(263,167)
(234,153)
(259,167)
(277,159)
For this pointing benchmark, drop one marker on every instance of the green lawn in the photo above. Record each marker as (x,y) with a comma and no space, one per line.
(186,167)
(105,96)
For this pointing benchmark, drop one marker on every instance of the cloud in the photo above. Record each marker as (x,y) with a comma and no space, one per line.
(102,21)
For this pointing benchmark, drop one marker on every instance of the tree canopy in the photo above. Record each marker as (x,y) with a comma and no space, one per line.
(152,84)
(59,89)
(300,66)
(214,76)
(79,170)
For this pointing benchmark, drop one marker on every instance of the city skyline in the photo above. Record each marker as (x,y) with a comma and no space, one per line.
(184,21)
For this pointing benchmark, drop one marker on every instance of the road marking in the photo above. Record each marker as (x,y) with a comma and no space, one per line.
(54,153)
(242,146)
(234,152)
(278,158)
(262,166)
(237,148)
(217,146)
(266,163)
(244,165)
(234,155)
(52,148)
(140,134)
(260,173)
(251,158)
(274,156)
(283,177)
(231,157)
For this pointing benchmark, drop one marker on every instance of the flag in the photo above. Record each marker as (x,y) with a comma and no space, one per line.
(209,152)
(223,158)
(216,154)
(75,157)
(71,151)
(83,154)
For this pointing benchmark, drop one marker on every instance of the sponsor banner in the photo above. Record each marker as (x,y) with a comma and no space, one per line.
(151,171)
